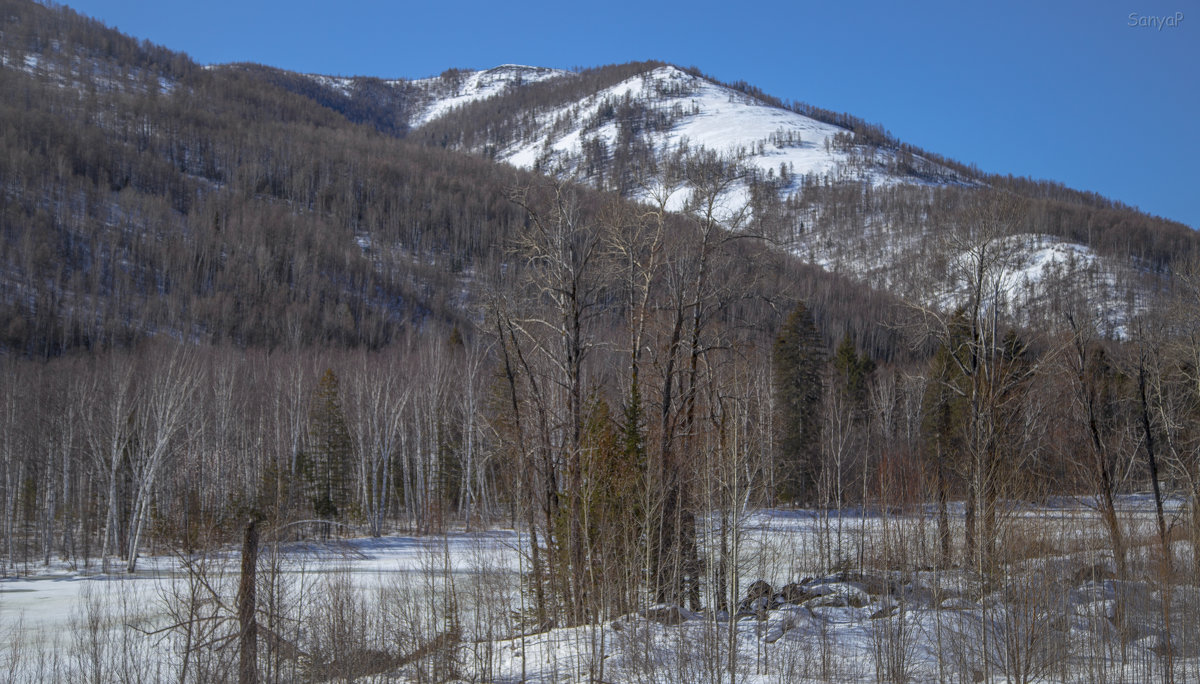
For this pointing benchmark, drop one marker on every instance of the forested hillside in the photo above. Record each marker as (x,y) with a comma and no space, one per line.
(145,195)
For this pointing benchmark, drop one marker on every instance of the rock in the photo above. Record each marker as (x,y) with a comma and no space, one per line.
(758,589)
(840,595)
(918,595)
(885,612)
(666,615)
(958,603)
(879,585)
(778,628)
(757,608)
(829,601)
(759,598)
(1096,572)
(794,593)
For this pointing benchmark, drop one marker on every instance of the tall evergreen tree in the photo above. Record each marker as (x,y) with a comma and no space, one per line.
(853,370)
(943,413)
(327,465)
(797,359)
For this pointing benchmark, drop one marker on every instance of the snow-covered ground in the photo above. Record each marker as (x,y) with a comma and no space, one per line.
(709,116)
(847,602)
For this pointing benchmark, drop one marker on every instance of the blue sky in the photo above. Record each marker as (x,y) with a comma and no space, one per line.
(1068,91)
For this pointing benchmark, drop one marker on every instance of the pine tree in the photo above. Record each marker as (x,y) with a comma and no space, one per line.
(327,465)
(943,416)
(853,371)
(798,357)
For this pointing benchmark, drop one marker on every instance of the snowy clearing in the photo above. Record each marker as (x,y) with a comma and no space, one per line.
(823,597)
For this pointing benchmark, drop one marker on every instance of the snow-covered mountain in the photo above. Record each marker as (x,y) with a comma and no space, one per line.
(668,108)
(701,114)
(665,108)
(550,121)
(132,164)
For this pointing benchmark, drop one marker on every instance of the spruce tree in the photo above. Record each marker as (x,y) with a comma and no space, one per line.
(797,358)
(943,414)
(327,470)
(853,371)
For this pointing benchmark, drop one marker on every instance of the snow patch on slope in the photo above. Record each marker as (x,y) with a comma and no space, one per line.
(456,89)
(1039,257)
(1039,273)
(341,84)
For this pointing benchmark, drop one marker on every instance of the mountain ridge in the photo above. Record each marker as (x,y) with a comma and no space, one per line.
(136,123)
(862,131)
(664,112)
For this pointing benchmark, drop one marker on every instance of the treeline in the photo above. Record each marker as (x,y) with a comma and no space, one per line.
(53,30)
(163,446)
(622,401)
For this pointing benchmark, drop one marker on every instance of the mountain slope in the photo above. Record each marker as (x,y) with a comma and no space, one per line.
(672,110)
(655,110)
(846,197)
(146,195)
(218,208)
(143,195)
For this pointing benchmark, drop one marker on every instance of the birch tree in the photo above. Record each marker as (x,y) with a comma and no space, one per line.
(169,383)
(109,428)
(376,399)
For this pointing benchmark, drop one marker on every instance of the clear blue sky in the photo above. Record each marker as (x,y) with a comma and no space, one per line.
(1062,90)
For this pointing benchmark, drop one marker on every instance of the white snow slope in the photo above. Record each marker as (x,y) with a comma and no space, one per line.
(448,92)
(440,95)
(706,116)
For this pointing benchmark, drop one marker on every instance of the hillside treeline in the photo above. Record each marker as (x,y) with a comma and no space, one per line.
(617,439)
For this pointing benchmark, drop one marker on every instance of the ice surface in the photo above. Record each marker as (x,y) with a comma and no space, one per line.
(931,620)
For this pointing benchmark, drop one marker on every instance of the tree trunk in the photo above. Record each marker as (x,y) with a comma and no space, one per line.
(943,497)
(247,622)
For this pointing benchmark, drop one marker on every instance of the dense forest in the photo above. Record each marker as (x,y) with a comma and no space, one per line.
(233,299)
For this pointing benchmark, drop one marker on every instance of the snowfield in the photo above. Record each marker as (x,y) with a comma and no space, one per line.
(706,116)
(683,111)
(823,598)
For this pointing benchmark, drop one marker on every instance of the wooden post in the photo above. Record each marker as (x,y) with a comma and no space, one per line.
(248,641)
